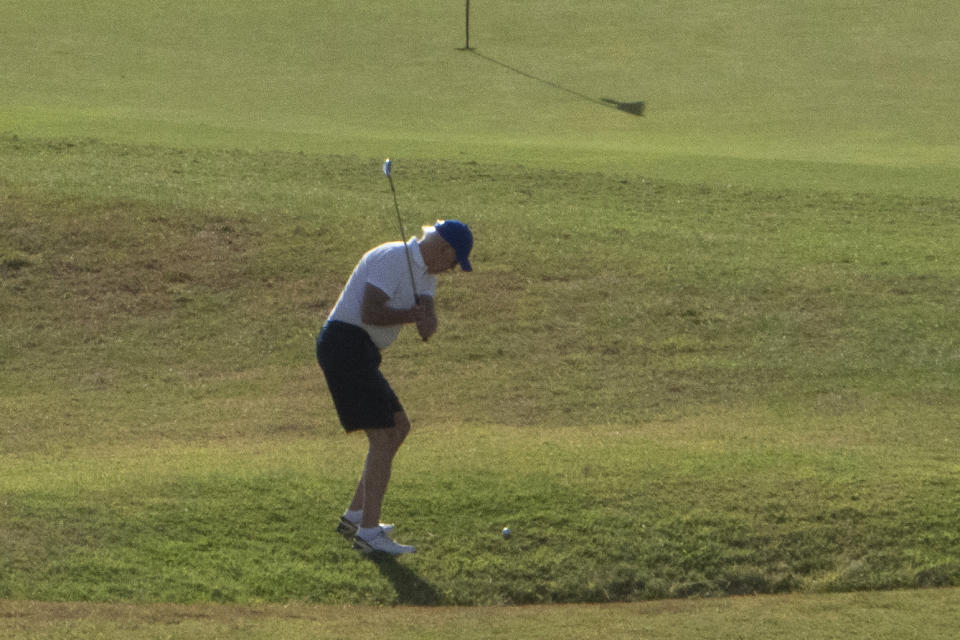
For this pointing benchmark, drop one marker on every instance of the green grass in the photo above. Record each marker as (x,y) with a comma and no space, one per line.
(826,96)
(712,391)
(711,351)
(248,521)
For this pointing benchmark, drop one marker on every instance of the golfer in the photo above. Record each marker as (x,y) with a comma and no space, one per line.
(376,302)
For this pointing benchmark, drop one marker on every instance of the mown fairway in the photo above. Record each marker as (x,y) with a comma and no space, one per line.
(710,351)
(857,96)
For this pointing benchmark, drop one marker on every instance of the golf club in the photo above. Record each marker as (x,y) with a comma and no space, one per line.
(387,171)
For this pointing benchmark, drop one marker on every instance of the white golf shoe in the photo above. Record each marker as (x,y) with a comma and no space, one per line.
(349,529)
(381,543)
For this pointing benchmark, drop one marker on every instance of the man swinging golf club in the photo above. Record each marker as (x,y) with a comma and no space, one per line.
(392,285)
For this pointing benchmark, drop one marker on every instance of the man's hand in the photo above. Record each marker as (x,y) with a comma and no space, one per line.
(426,318)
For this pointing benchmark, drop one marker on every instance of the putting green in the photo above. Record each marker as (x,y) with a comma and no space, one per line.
(807,94)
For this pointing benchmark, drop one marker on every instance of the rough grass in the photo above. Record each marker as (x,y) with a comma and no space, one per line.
(665,390)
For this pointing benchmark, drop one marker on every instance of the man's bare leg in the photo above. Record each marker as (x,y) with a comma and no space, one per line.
(372,487)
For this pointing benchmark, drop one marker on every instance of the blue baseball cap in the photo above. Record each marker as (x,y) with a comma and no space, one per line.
(458,236)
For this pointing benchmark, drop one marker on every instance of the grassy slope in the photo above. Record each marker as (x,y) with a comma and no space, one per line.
(784,423)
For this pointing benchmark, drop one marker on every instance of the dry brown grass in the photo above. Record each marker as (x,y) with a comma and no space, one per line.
(898,615)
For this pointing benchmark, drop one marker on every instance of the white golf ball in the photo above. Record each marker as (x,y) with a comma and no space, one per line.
(506,532)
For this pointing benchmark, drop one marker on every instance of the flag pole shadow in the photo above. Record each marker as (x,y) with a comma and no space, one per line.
(635,107)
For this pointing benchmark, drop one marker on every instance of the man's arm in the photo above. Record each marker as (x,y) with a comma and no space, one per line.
(376,312)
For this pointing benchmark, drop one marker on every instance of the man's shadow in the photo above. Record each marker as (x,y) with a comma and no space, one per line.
(410,588)
(635,108)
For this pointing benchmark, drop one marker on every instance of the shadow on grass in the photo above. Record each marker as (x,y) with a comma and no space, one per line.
(635,108)
(410,588)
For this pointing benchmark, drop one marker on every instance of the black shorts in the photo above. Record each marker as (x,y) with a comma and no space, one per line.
(351,364)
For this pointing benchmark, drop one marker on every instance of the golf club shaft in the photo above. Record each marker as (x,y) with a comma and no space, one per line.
(403,239)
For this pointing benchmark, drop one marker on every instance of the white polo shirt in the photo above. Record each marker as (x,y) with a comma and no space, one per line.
(385,267)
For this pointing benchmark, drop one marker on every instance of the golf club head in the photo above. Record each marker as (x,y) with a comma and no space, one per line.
(386,167)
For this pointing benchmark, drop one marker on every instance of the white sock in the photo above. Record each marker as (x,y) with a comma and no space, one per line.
(368,534)
(354,516)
